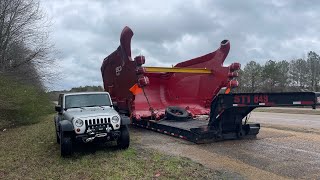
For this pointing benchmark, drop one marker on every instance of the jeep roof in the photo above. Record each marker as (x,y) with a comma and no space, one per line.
(76,93)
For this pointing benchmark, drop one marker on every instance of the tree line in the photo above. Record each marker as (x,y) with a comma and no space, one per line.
(297,75)
(54,95)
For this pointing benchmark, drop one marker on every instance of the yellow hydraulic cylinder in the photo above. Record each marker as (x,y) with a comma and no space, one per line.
(178,70)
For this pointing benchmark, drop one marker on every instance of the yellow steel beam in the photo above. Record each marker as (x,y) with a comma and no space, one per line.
(178,70)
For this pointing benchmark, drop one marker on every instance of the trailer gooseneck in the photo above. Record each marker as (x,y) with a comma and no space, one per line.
(169,100)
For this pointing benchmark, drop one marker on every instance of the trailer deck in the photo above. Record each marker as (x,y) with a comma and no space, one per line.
(185,125)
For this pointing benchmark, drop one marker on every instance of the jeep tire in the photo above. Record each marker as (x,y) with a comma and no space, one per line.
(123,141)
(65,144)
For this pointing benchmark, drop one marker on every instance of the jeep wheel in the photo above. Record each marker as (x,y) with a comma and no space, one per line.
(65,145)
(124,139)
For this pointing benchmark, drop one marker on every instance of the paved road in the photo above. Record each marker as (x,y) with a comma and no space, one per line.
(290,120)
(292,108)
(275,154)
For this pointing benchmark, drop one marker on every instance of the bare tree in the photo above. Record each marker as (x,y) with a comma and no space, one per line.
(252,76)
(299,74)
(283,76)
(313,63)
(23,38)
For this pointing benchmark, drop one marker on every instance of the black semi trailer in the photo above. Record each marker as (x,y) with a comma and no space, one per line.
(228,116)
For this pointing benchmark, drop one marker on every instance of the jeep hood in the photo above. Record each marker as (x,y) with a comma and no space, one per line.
(85,112)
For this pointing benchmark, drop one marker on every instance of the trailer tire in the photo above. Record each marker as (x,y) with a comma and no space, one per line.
(176,113)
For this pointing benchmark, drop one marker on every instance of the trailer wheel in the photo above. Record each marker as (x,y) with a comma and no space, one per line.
(176,113)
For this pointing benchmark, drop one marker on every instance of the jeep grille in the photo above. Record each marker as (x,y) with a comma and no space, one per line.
(97,121)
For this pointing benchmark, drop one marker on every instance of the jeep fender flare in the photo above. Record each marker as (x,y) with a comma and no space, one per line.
(66,125)
(125,120)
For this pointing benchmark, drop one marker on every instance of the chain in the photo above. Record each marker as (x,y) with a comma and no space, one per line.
(150,108)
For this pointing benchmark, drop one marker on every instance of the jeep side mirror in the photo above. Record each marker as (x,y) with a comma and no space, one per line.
(58,108)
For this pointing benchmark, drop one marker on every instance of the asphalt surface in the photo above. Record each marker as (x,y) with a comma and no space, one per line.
(285,148)
(290,120)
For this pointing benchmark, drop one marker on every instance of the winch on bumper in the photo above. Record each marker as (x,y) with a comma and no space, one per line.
(98,132)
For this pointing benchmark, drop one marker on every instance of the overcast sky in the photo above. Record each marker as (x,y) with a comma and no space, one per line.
(167,32)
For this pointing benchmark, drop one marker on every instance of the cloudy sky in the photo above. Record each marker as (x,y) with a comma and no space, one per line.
(170,31)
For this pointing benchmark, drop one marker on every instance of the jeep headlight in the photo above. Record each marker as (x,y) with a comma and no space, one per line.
(115,119)
(78,123)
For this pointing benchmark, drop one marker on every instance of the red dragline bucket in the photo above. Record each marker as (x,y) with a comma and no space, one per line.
(145,92)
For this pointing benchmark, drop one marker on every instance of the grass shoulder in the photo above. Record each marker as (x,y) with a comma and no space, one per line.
(21,104)
(30,152)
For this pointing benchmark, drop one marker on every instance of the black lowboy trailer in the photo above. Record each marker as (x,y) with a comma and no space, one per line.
(228,116)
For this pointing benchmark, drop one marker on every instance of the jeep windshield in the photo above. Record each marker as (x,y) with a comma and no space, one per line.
(86,100)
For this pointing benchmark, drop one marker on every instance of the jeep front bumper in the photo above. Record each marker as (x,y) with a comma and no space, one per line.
(102,132)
